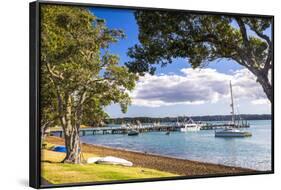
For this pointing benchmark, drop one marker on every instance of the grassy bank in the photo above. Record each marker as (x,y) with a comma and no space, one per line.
(59,173)
(145,166)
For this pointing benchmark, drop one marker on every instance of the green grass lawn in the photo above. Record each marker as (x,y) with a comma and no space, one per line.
(59,173)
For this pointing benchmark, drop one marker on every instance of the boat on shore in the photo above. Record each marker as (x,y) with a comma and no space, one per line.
(229,130)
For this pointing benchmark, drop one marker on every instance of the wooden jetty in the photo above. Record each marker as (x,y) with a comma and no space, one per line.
(118,130)
(141,129)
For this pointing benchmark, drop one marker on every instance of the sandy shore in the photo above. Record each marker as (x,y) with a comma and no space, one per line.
(162,163)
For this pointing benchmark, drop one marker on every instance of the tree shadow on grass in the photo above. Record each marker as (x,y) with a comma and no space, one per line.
(51,162)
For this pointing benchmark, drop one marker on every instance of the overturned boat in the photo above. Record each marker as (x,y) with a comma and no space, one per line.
(109,160)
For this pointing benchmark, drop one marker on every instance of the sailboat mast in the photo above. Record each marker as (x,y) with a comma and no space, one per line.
(232,105)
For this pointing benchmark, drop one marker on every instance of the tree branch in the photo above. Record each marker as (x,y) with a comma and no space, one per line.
(260,34)
(243,31)
(53,73)
(267,64)
(60,101)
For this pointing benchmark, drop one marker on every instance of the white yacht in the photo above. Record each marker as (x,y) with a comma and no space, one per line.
(190,125)
(229,131)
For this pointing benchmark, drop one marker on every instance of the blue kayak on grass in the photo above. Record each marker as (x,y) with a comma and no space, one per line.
(59,149)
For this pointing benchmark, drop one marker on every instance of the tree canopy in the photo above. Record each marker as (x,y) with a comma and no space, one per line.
(202,38)
(79,76)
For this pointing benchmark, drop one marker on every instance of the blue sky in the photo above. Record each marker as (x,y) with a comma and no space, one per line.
(160,105)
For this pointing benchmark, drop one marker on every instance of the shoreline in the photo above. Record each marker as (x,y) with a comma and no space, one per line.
(161,155)
(178,166)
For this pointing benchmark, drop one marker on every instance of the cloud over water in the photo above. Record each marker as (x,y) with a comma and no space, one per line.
(196,86)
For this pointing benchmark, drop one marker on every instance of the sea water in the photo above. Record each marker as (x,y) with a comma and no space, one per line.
(249,152)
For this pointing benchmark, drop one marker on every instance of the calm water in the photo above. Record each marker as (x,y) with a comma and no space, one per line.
(251,152)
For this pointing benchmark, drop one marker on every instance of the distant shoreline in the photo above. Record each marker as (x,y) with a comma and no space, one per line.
(247,117)
(163,163)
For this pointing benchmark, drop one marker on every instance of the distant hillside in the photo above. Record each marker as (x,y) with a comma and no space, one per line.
(195,118)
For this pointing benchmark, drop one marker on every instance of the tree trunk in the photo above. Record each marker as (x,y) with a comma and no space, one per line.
(264,79)
(71,136)
(266,85)
(72,144)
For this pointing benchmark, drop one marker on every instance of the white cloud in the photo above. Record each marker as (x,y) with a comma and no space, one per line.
(260,101)
(197,86)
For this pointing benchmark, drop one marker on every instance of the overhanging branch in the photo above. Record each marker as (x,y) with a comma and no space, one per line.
(243,31)
(260,34)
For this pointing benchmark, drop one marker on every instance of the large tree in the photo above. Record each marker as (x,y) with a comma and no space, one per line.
(201,38)
(79,77)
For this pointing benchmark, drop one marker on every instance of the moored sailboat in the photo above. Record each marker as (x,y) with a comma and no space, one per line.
(229,130)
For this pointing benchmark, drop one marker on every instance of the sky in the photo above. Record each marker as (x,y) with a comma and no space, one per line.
(178,90)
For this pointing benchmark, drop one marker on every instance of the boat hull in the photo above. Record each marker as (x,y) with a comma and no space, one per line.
(232,134)
(133,133)
(190,129)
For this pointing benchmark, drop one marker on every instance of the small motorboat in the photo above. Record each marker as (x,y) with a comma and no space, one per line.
(133,133)
(167,133)
(190,126)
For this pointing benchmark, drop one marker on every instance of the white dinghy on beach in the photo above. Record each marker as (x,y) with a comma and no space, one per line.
(109,160)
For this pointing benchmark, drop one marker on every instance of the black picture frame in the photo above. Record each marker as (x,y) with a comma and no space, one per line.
(34,97)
